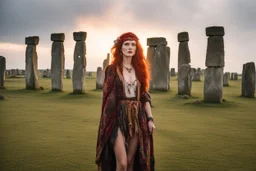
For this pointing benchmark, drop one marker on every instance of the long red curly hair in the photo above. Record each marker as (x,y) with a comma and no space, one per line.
(139,61)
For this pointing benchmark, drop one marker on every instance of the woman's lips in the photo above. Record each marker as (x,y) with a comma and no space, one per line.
(129,51)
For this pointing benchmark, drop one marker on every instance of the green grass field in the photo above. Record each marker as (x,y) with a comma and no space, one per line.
(44,130)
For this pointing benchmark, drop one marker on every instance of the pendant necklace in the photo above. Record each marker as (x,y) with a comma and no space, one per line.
(128,69)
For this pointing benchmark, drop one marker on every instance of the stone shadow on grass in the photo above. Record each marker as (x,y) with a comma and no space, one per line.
(245,98)
(23,90)
(159,91)
(97,90)
(178,97)
(72,95)
(225,104)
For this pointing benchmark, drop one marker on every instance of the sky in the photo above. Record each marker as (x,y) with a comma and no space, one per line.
(105,20)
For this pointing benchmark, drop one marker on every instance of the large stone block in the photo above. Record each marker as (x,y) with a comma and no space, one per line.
(46,73)
(159,68)
(248,80)
(226,79)
(196,77)
(183,37)
(57,66)
(235,76)
(184,80)
(215,31)
(106,62)
(173,74)
(79,68)
(213,84)
(232,76)
(150,55)
(155,41)
(32,40)
(31,78)
(58,37)
(100,78)
(2,71)
(68,74)
(198,70)
(79,36)
(168,49)
(183,54)
(215,52)
(192,71)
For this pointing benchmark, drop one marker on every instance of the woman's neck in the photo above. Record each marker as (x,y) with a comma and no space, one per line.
(127,61)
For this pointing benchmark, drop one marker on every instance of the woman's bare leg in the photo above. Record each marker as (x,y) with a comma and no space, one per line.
(120,153)
(132,148)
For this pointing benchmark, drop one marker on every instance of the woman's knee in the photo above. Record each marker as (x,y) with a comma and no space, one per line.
(122,165)
(130,160)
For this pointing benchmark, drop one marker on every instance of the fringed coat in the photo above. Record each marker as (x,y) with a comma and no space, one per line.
(112,111)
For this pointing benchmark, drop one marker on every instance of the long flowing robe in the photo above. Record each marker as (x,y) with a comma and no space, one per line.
(113,94)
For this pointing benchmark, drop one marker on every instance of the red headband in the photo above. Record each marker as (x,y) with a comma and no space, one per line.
(126,36)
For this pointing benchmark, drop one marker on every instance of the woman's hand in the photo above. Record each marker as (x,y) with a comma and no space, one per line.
(151,126)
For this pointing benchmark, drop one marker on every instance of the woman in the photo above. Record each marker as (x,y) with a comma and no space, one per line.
(125,139)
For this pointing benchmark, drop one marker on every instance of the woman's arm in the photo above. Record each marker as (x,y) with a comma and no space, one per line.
(151,125)
(148,109)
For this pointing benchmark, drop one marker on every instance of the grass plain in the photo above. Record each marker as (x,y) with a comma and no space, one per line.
(45,130)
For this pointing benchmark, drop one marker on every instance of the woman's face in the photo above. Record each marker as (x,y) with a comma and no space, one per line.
(129,48)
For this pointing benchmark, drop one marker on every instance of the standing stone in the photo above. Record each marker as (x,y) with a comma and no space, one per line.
(202,71)
(192,72)
(158,56)
(89,74)
(68,75)
(6,74)
(235,76)
(213,84)
(184,53)
(31,78)
(248,80)
(99,78)
(46,73)
(58,61)
(226,79)
(199,71)
(184,80)
(229,77)
(213,75)
(168,73)
(2,71)
(173,74)
(79,68)
(13,73)
(232,76)
(196,77)
(106,62)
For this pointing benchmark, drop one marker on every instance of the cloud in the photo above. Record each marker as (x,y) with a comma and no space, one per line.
(105,20)
(19,19)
